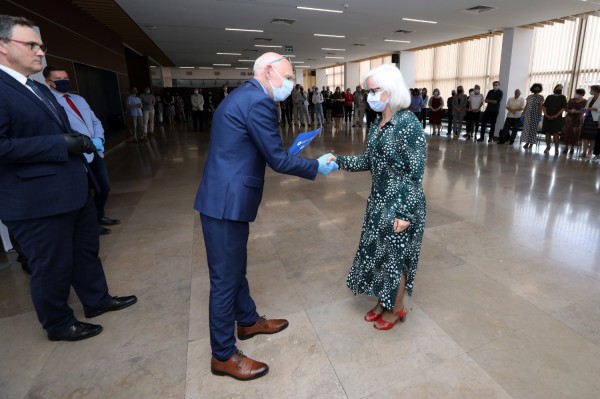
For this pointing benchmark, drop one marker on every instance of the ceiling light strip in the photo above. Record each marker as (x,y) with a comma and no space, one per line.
(319,9)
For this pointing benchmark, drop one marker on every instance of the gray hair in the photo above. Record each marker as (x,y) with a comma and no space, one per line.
(389,78)
(266,59)
(8,22)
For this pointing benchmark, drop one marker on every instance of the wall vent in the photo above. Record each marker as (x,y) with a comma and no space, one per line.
(217,73)
(479,9)
(189,73)
(283,21)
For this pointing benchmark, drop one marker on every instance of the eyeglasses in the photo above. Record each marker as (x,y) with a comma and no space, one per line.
(32,45)
(373,90)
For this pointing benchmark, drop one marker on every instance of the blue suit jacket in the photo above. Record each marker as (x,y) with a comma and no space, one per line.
(244,138)
(38,177)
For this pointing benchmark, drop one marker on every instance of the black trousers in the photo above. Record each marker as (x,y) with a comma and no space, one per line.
(62,251)
(513,125)
(423,116)
(98,167)
(489,116)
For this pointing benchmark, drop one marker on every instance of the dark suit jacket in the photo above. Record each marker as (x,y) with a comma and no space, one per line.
(244,138)
(38,178)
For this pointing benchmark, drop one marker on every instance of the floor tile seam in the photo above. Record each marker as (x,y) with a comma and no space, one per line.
(312,326)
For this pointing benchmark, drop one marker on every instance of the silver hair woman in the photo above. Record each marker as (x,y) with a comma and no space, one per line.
(388,253)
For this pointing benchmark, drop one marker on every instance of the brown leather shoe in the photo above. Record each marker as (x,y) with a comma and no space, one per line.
(262,326)
(239,366)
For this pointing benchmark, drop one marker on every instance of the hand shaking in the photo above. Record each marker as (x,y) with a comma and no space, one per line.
(326,165)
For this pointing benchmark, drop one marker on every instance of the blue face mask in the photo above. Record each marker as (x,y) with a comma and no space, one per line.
(374,100)
(63,85)
(284,91)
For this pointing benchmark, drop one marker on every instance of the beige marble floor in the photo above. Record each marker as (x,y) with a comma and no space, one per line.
(506,301)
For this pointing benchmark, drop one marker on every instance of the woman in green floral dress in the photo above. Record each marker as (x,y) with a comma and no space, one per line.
(388,253)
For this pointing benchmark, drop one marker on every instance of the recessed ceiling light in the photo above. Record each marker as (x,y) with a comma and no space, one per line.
(324,35)
(267,46)
(319,9)
(302,66)
(242,68)
(246,60)
(333,49)
(150,27)
(396,41)
(289,56)
(205,67)
(229,53)
(297,62)
(338,58)
(186,67)
(222,64)
(419,20)
(245,30)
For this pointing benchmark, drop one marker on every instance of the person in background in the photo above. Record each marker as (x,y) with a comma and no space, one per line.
(180,108)
(475,102)
(416,102)
(197,101)
(359,107)
(371,115)
(135,106)
(148,103)
(553,108)
(245,139)
(515,106)
(490,115)
(348,103)
(337,104)
(209,107)
(589,131)
(170,108)
(386,261)
(328,104)
(532,115)
(469,116)
(459,110)
(573,121)
(317,100)
(425,108)
(449,112)
(436,105)
(83,120)
(159,109)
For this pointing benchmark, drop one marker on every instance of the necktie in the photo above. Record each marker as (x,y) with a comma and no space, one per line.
(72,105)
(44,99)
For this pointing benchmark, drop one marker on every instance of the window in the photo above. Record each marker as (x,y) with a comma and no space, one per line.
(366,66)
(335,77)
(466,63)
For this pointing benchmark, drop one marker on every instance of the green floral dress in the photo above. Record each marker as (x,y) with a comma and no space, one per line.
(395,155)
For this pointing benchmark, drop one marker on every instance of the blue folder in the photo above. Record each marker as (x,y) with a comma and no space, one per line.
(302,140)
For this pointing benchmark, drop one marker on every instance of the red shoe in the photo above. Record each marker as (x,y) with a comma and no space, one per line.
(384,325)
(372,316)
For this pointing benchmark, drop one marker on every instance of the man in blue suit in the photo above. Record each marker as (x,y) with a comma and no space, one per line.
(44,195)
(244,139)
(83,120)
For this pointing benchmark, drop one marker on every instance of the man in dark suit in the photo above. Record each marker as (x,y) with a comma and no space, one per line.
(244,138)
(44,191)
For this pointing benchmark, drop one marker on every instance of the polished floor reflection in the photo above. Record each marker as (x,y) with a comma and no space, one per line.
(506,301)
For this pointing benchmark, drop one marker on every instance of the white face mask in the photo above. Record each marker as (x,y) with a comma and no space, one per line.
(374,100)
(284,91)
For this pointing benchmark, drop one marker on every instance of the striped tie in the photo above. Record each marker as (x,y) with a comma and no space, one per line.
(44,99)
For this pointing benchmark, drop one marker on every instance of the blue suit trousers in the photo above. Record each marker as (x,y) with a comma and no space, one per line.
(226,249)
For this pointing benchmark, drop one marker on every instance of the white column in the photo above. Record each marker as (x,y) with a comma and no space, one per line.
(408,67)
(351,76)
(167,77)
(514,66)
(300,76)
